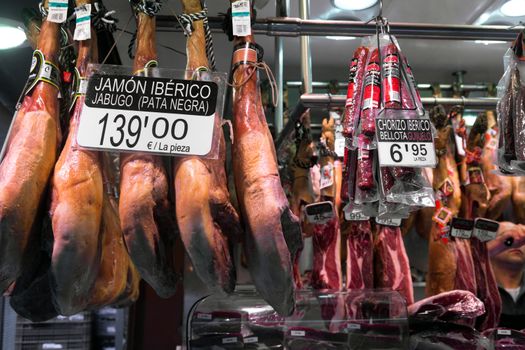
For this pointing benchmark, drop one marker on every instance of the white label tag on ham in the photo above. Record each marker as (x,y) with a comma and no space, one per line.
(319,213)
(485,230)
(327,176)
(164,114)
(57,11)
(349,216)
(83,22)
(353,326)
(339,146)
(504,332)
(241,18)
(405,142)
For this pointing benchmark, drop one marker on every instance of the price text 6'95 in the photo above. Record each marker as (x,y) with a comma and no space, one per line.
(414,149)
(130,129)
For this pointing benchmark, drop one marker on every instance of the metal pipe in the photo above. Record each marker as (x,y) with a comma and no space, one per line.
(327,101)
(446,87)
(306,57)
(291,26)
(281,9)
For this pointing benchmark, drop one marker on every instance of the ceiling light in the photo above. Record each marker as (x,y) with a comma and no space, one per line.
(489,42)
(354,4)
(335,37)
(11,37)
(513,8)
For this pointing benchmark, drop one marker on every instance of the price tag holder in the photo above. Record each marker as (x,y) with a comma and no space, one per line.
(485,229)
(160,112)
(319,213)
(461,228)
(351,214)
(406,142)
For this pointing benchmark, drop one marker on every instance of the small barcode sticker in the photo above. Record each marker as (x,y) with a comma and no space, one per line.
(504,332)
(388,222)
(204,316)
(57,11)
(229,340)
(353,326)
(298,333)
(241,18)
(53,346)
(251,340)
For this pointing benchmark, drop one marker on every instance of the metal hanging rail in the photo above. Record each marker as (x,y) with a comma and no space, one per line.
(444,87)
(328,100)
(291,26)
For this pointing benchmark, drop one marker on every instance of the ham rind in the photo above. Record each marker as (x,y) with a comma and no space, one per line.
(146,213)
(360,255)
(30,155)
(208,223)
(391,266)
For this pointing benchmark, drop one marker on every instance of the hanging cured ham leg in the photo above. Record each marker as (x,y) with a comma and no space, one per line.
(31,152)
(450,261)
(500,187)
(76,209)
(477,198)
(144,206)
(302,187)
(273,233)
(208,223)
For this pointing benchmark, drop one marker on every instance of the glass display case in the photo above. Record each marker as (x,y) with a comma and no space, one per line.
(368,319)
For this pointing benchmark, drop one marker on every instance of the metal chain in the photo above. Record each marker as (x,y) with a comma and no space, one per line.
(186,21)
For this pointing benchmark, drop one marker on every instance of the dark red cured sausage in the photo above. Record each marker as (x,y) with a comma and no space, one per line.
(371,94)
(355,91)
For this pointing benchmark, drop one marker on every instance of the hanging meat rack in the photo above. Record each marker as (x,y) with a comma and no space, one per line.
(284,26)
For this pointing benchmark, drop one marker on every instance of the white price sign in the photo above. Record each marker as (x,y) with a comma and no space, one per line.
(149,114)
(405,142)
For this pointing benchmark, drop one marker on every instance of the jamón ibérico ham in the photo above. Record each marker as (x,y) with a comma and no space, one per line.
(144,206)
(30,154)
(273,232)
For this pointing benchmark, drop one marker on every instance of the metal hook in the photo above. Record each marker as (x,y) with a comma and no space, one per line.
(520,23)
